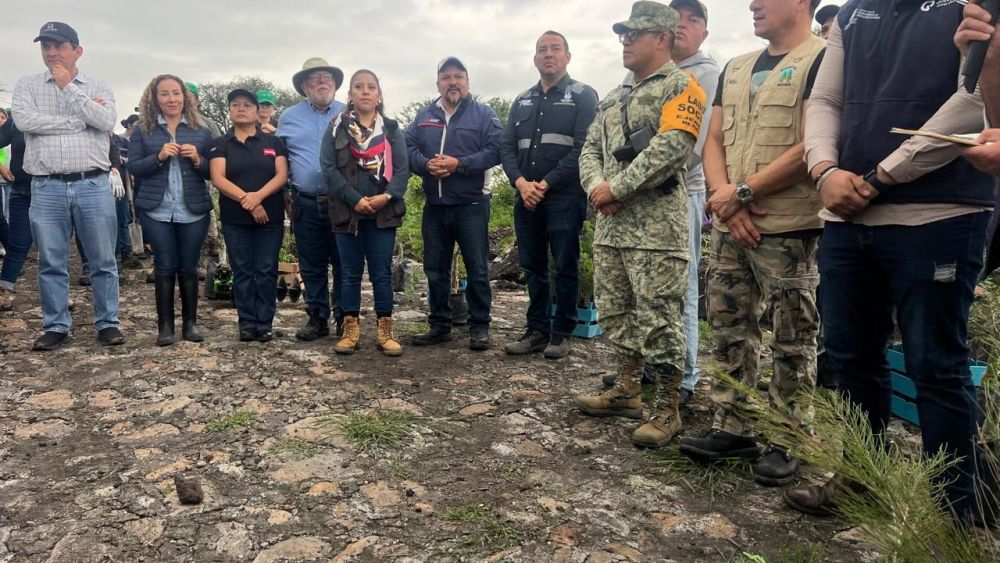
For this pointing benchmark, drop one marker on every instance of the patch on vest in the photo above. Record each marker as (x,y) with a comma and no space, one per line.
(685,111)
(786,75)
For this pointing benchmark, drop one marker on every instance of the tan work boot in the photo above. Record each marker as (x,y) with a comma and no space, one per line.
(352,334)
(622,399)
(386,339)
(666,421)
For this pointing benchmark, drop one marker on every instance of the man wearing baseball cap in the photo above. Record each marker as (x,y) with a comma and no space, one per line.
(632,168)
(301,127)
(453,142)
(265,99)
(825,17)
(67,118)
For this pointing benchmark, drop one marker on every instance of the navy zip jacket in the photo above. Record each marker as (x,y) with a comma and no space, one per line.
(153,175)
(900,67)
(472,135)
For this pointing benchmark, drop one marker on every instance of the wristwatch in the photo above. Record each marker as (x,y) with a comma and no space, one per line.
(872,178)
(744,193)
(460,169)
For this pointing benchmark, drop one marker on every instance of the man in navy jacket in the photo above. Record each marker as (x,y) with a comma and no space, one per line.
(453,143)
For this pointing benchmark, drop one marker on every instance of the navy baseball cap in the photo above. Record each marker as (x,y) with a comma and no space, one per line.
(826,12)
(58,31)
(242,93)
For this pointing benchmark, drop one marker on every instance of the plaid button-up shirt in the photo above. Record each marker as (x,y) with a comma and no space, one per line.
(65,131)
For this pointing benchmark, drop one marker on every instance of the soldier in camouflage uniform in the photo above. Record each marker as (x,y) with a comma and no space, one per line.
(766,231)
(632,166)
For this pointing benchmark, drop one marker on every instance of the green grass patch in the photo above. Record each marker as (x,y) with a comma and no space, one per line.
(238,419)
(484,529)
(297,448)
(371,431)
(705,334)
(410,328)
(716,478)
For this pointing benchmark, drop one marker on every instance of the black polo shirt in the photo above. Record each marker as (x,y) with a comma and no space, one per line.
(250,166)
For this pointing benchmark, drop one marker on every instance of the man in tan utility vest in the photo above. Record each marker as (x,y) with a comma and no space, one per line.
(766,231)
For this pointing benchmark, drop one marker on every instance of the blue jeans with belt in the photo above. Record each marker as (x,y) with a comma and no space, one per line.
(442,227)
(374,246)
(554,226)
(317,250)
(926,275)
(253,256)
(57,206)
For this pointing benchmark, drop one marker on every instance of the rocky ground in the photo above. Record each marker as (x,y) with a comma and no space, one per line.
(494,464)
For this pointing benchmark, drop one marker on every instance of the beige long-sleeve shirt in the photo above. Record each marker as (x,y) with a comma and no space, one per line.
(962,113)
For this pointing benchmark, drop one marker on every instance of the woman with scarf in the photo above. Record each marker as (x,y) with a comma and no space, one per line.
(166,153)
(363,157)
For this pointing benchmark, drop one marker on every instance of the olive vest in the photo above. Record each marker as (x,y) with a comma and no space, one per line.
(756,136)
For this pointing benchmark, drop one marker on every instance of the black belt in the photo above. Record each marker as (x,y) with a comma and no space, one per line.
(75,176)
(315,197)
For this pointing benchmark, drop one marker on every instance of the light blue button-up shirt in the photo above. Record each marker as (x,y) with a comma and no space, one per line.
(173,209)
(301,127)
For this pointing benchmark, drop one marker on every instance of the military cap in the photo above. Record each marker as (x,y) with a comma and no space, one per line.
(647,15)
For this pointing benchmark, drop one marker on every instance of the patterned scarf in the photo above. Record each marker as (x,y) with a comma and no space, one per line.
(368,144)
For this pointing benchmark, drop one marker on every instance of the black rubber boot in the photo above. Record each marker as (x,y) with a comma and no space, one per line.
(164,289)
(189,307)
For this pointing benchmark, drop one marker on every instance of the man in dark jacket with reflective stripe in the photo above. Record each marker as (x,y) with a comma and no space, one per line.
(540,151)
(453,143)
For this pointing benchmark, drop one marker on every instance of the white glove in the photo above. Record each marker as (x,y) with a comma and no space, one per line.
(117,186)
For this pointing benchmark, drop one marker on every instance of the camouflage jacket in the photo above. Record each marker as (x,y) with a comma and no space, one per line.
(670,102)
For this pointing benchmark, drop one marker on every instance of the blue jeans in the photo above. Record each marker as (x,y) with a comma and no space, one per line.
(253,256)
(375,246)
(317,249)
(468,225)
(19,242)
(554,226)
(57,206)
(178,245)
(696,212)
(122,213)
(927,276)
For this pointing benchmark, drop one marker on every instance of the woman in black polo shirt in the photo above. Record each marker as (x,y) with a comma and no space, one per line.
(364,162)
(250,168)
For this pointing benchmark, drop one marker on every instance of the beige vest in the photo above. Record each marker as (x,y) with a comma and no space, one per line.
(756,136)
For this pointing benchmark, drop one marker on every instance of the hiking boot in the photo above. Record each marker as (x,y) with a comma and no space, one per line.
(436,335)
(110,336)
(316,327)
(248,335)
(558,347)
(666,421)
(821,500)
(387,339)
(479,338)
(622,399)
(352,334)
(50,341)
(530,342)
(776,468)
(717,444)
(6,299)
(265,336)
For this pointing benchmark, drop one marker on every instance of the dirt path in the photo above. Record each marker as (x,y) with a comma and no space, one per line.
(495,464)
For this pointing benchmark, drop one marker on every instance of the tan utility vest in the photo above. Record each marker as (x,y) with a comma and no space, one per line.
(756,136)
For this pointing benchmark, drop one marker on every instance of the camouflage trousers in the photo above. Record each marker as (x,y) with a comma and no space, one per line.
(640,296)
(781,273)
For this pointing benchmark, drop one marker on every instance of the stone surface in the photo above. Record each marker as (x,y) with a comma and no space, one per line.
(381,495)
(58,400)
(294,549)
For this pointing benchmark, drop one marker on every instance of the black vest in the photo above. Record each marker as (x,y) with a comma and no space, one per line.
(900,66)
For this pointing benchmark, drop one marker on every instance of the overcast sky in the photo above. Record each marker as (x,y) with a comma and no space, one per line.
(126,43)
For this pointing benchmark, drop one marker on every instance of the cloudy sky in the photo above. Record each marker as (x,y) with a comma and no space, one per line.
(127,42)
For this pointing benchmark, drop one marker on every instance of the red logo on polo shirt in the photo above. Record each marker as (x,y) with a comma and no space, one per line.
(270,152)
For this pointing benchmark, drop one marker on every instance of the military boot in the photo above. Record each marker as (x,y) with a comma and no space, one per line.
(622,399)
(666,421)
